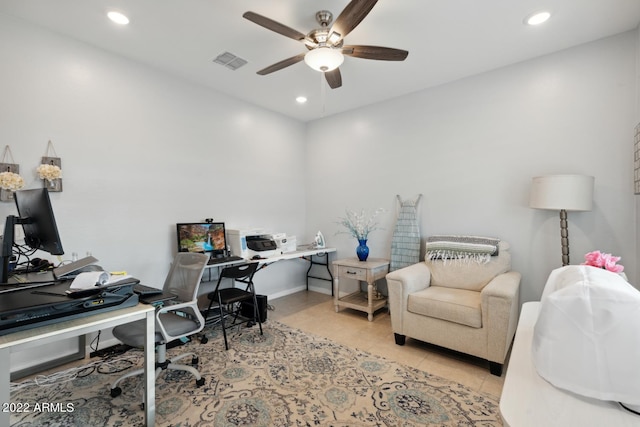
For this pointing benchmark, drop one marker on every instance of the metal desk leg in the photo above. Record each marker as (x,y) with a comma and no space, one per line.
(5,393)
(325,264)
(150,371)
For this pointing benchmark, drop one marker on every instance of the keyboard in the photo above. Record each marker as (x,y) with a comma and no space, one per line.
(143,290)
(224,259)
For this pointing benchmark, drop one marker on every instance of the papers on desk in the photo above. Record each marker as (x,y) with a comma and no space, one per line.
(92,279)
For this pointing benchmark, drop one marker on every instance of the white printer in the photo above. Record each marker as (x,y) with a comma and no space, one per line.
(251,242)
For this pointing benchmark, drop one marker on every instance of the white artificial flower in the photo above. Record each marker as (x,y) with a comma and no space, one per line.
(11,181)
(49,172)
(358,224)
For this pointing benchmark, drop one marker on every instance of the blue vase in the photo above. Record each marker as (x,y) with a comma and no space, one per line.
(362,250)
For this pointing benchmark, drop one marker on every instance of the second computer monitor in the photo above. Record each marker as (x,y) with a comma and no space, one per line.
(207,237)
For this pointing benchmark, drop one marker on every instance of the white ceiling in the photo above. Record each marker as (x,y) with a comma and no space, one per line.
(446,39)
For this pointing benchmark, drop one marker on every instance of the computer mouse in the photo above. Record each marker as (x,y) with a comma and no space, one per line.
(256,257)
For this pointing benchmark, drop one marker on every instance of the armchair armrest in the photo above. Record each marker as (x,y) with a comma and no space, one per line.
(500,310)
(189,308)
(400,284)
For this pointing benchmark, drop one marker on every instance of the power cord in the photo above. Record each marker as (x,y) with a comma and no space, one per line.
(101,366)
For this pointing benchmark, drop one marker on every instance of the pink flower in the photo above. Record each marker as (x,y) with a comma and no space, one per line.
(594,259)
(606,261)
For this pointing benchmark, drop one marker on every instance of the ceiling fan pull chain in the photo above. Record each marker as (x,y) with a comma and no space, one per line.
(323,93)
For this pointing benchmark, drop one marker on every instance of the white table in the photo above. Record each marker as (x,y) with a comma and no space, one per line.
(304,253)
(31,338)
(528,400)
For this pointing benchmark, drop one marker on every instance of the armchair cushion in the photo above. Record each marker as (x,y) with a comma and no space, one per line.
(450,304)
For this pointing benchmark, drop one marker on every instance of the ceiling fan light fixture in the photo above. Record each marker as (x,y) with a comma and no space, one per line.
(324,59)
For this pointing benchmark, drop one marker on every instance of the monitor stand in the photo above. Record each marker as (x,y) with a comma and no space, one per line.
(7,244)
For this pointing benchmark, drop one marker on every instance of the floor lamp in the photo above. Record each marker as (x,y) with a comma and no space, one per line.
(563,193)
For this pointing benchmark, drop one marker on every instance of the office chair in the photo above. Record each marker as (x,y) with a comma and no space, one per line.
(175,319)
(229,299)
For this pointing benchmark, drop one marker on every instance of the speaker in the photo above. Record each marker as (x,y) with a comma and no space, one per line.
(246,308)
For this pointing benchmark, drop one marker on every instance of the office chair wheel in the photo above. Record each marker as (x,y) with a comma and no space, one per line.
(115,392)
(204,339)
(200,382)
(194,360)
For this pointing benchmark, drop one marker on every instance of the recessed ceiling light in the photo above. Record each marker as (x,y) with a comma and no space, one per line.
(537,18)
(301,99)
(118,18)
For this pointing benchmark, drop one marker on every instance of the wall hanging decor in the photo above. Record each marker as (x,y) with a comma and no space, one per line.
(10,179)
(50,171)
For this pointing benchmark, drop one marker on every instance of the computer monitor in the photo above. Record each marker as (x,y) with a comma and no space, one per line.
(40,229)
(35,214)
(206,237)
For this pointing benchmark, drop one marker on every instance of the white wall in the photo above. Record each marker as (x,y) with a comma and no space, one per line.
(142,150)
(471,148)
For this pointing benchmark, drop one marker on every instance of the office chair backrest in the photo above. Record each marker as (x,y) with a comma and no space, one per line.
(242,271)
(185,275)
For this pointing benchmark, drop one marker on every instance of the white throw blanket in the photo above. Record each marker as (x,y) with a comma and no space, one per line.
(462,248)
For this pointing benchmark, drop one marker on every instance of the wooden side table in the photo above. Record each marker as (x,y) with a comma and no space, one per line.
(367,271)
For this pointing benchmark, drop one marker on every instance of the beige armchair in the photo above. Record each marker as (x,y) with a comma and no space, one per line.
(466,306)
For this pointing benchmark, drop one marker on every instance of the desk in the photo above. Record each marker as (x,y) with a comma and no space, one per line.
(306,254)
(30,338)
(367,271)
(528,400)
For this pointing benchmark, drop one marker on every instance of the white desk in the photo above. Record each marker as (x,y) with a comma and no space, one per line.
(528,400)
(71,328)
(306,254)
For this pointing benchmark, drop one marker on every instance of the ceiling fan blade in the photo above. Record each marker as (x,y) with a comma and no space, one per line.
(334,78)
(282,64)
(272,25)
(351,16)
(375,52)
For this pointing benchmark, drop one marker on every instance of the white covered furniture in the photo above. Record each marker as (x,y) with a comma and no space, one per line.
(528,400)
(468,306)
(576,353)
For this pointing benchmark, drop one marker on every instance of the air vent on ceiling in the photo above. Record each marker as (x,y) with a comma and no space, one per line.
(230,61)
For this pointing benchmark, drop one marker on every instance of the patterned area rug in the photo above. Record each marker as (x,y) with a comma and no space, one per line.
(283,378)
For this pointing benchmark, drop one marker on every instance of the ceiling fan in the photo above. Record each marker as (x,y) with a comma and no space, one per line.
(326,44)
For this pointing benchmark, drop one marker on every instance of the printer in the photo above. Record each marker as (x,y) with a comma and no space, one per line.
(249,243)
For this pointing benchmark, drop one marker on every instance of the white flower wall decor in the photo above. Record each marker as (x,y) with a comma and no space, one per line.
(10,179)
(50,171)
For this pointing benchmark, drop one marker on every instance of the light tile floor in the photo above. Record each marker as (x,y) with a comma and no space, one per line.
(315,313)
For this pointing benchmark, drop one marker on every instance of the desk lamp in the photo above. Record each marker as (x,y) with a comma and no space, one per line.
(563,193)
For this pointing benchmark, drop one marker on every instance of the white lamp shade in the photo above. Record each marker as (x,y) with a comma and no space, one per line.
(557,192)
(324,59)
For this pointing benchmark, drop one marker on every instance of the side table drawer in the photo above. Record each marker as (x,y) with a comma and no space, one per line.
(356,273)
